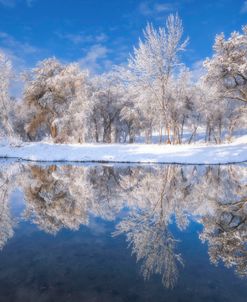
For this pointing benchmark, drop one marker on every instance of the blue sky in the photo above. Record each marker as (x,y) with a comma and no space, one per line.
(100,33)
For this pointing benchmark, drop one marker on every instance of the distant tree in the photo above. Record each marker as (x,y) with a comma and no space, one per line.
(108,98)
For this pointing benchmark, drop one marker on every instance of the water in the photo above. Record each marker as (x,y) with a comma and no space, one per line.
(123,233)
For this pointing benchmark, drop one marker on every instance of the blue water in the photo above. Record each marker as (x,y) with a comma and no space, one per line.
(123,233)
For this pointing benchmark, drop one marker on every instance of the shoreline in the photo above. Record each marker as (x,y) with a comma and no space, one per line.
(235,152)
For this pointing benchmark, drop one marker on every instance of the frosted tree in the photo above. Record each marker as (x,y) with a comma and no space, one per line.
(227,72)
(73,125)
(5,101)
(108,98)
(131,117)
(228,66)
(50,90)
(212,110)
(183,107)
(217,114)
(151,70)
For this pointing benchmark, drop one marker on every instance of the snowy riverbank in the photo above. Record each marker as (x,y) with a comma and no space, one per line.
(136,153)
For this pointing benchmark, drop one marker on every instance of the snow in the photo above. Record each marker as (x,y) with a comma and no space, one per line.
(130,153)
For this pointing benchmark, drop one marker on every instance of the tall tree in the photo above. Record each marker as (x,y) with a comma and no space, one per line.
(152,67)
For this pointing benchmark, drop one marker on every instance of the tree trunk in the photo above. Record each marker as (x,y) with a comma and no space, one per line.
(206,134)
(107,133)
(182,131)
(209,133)
(53,130)
(220,130)
(96,132)
(193,135)
(160,134)
(131,139)
(168,135)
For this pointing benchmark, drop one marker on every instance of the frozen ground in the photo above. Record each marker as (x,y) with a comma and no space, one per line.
(131,153)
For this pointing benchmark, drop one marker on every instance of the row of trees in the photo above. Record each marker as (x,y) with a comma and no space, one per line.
(59,197)
(154,93)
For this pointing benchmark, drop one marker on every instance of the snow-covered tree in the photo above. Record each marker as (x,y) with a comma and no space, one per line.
(5,101)
(108,99)
(153,93)
(228,66)
(183,107)
(151,70)
(51,90)
(227,73)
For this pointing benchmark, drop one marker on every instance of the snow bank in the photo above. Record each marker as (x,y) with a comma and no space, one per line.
(136,153)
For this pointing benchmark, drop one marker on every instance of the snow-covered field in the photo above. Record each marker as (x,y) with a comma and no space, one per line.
(131,153)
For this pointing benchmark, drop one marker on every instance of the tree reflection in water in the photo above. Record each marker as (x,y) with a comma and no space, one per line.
(65,196)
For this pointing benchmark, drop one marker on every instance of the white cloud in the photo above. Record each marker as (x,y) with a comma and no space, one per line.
(144,9)
(19,53)
(244,8)
(197,70)
(11,43)
(82,37)
(101,37)
(162,7)
(148,8)
(96,58)
(74,38)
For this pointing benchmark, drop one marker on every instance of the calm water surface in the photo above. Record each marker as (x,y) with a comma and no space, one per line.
(123,233)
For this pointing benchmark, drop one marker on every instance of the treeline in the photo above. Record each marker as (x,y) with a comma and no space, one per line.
(154,93)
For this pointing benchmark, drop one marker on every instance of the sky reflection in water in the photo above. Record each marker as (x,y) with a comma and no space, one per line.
(123,233)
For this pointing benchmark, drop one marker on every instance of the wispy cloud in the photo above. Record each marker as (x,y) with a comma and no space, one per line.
(13,44)
(8,3)
(150,8)
(13,3)
(243,9)
(96,58)
(20,54)
(30,2)
(82,37)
